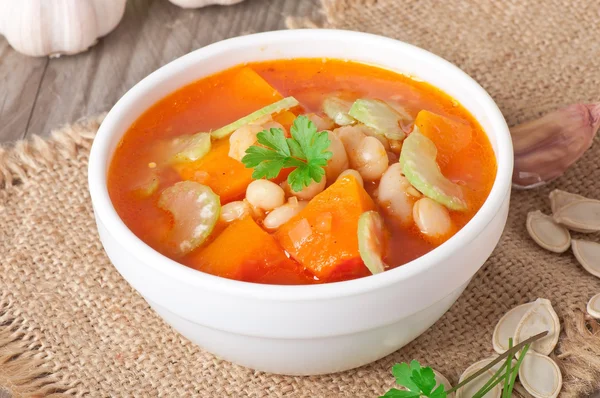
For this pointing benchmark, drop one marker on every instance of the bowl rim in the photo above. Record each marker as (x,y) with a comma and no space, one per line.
(107,215)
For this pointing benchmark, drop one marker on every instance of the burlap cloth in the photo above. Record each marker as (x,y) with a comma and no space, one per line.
(70,324)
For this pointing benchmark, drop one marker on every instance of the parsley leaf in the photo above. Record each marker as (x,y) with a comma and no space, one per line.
(306,151)
(403,374)
(439,392)
(417,380)
(424,379)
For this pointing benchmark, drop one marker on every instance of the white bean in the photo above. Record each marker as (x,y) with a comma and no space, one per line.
(351,136)
(255,212)
(279,216)
(370,159)
(265,194)
(381,138)
(432,218)
(242,139)
(366,154)
(339,159)
(234,211)
(312,190)
(395,194)
(322,122)
(353,173)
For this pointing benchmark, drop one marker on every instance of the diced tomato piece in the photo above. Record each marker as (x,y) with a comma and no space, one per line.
(322,251)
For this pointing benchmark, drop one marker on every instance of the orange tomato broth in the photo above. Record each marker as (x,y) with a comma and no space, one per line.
(222,98)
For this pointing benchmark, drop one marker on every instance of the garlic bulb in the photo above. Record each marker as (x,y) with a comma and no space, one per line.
(54,27)
(546,147)
(203,3)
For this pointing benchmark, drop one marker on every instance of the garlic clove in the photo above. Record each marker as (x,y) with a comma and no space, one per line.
(468,390)
(540,375)
(539,318)
(506,327)
(588,255)
(580,216)
(559,199)
(203,3)
(593,306)
(547,233)
(546,147)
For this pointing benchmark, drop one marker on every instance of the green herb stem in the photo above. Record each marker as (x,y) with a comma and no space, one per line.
(508,369)
(509,353)
(515,372)
(491,383)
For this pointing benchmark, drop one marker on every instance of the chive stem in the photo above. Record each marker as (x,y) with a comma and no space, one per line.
(510,352)
(508,370)
(516,369)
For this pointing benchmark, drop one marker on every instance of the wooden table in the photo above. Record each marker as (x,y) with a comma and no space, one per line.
(38,94)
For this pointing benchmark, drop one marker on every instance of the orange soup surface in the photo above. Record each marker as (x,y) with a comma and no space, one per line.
(423,168)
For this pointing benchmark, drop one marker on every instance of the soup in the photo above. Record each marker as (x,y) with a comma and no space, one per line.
(301,171)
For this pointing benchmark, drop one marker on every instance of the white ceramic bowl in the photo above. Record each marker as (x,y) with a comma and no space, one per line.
(304,330)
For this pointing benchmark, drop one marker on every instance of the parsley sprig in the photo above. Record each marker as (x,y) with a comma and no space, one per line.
(419,381)
(306,151)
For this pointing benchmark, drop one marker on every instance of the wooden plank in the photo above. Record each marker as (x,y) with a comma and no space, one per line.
(20,79)
(152,33)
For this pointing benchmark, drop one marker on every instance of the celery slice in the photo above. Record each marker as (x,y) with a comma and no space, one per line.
(195,209)
(192,148)
(281,105)
(337,109)
(418,161)
(370,241)
(379,116)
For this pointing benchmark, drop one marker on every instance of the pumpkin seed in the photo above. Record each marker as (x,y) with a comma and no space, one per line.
(441,379)
(468,390)
(588,255)
(506,327)
(580,215)
(539,318)
(560,198)
(540,375)
(547,233)
(593,306)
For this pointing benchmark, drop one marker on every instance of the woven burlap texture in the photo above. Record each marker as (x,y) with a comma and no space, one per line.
(70,324)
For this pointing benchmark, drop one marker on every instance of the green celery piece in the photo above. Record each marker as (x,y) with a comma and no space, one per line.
(370,236)
(281,105)
(195,209)
(192,148)
(337,109)
(379,116)
(418,162)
